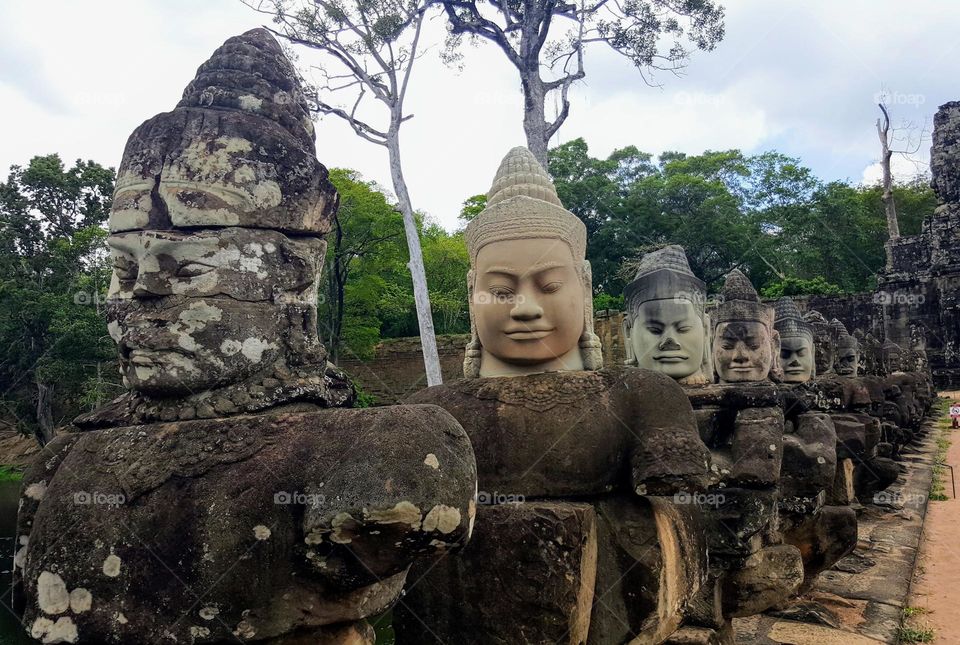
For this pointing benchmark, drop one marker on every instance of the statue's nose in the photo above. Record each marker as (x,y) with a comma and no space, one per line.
(669,343)
(526,307)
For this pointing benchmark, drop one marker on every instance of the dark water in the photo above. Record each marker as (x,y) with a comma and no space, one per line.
(10,631)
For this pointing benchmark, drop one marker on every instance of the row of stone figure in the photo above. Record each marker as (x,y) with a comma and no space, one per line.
(669,328)
(233,493)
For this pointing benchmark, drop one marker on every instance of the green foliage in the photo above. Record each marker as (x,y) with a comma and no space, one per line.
(799,287)
(603,301)
(10,474)
(907,634)
(472,207)
(54,274)
(367,285)
(766,214)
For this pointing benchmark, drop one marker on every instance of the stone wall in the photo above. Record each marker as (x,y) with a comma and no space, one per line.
(396,369)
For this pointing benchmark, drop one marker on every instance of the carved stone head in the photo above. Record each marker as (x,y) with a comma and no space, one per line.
(746,347)
(666,326)
(531,301)
(893,357)
(217,236)
(797,350)
(848,351)
(823,342)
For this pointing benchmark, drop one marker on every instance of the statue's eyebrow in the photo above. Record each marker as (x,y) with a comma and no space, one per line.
(535,269)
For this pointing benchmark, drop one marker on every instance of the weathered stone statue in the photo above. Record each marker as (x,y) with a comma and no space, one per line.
(848,351)
(746,347)
(538,317)
(666,324)
(231,494)
(823,341)
(601,551)
(797,355)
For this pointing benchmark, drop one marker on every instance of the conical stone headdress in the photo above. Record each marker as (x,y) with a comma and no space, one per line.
(665,274)
(789,322)
(523,204)
(237,150)
(844,339)
(740,301)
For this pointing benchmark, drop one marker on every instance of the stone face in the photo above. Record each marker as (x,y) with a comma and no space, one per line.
(746,347)
(666,323)
(217,499)
(848,351)
(797,356)
(531,296)
(824,348)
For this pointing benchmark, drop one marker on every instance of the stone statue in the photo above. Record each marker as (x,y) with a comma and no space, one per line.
(893,357)
(797,355)
(848,351)
(231,494)
(600,552)
(746,347)
(665,323)
(530,287)
(824,347)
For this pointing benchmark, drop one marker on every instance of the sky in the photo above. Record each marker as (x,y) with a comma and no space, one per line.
(798,77)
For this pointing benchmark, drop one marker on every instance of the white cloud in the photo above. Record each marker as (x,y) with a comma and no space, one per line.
(799,78)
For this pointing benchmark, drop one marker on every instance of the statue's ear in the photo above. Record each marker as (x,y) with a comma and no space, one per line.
(776,371)
(626,326)
(706,366)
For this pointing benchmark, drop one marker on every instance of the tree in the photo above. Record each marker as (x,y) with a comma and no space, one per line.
(364,223)
(370,47)
(522,31)
(887,137)
(54,272)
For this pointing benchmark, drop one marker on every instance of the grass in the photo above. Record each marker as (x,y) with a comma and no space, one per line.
(909,612)
(10,474)
(915,635)
(938,491)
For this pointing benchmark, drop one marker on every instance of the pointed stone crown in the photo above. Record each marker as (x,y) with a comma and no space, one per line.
(665,274)
(740,301)
(789,322)
(523,204)
(844,339)
(237,150)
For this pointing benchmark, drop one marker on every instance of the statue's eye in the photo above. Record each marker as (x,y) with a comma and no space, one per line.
(551,287)
(192,269)
(684,329)
(727,345)
(655,329)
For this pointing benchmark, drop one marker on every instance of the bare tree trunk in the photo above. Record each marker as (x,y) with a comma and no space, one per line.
(893,227)
(534,116)
(428,339)
(45,429)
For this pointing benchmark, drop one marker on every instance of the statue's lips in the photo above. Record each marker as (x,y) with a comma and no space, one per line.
(794,370)
(528,334)
(742,368)
(671,358)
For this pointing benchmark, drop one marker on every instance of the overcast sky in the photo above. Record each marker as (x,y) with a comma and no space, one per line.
(798,77)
